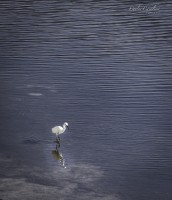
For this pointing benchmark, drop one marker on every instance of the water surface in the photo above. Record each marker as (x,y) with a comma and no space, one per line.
(104,69)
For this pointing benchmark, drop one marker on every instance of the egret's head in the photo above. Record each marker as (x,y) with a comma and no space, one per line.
(66,124)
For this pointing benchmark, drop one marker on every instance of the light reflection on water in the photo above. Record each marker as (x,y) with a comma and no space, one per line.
(58,156)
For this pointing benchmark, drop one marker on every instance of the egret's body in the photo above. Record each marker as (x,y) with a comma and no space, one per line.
(59,129)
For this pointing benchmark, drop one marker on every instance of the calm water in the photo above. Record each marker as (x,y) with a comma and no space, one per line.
(103,67)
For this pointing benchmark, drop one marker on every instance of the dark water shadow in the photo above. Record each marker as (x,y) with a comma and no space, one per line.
(30,141)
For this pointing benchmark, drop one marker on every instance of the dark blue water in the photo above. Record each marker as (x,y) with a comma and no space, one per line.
(103,67)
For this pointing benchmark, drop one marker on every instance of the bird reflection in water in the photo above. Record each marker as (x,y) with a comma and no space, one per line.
(58,155)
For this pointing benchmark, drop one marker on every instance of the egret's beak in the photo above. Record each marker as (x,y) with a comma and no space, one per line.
(67,127)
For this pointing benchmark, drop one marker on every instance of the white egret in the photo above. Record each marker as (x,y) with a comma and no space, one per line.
(59,129)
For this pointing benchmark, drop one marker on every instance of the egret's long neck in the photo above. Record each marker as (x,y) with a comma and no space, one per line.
(64,127)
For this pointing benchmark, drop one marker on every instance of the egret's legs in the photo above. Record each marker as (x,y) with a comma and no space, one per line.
(57,144)
(57,141)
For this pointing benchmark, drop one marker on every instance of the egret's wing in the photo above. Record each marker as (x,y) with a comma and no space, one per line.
(57,129)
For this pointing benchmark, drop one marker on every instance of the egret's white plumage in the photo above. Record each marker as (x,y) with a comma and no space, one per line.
(59,129)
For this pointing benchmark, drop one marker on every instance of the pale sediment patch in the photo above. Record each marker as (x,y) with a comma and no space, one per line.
(40,86)
(35,94)
(78,182)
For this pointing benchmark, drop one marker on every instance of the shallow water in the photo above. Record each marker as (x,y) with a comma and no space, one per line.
(104,69)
